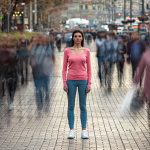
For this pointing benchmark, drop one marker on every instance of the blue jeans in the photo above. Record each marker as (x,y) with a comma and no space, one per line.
(72,88)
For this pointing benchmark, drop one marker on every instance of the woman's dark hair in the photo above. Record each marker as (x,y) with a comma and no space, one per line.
(74,32)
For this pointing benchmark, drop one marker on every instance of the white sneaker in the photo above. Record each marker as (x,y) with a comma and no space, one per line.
(71,134)
(84,134)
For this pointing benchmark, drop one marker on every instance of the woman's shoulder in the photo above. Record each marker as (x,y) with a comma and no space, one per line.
(86,49)
(67,49)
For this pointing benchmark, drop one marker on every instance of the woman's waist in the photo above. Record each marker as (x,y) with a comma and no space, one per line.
(77,76)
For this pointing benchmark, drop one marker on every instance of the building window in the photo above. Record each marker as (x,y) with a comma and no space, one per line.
(81,7)
(94,7)
(86,7)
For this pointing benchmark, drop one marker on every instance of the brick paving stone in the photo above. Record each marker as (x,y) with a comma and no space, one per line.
(25,128)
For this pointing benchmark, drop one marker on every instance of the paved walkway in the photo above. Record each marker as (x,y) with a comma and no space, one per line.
(25,128)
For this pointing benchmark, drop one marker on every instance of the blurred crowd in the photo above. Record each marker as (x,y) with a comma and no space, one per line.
(116,50)
(39,53)
(16,55)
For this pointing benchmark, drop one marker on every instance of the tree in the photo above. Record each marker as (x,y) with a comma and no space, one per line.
(8,7)
(46,7)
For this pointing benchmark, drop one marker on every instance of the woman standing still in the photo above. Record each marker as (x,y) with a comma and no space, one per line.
(77,74)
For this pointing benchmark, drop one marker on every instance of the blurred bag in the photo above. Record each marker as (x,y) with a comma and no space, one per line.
(137,101)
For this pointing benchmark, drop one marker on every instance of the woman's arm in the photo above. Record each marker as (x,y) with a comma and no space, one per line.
(89,68)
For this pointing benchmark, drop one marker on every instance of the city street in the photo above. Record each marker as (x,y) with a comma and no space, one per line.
(24,128)
(34,34)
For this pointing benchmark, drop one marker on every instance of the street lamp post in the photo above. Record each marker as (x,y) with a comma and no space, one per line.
(8,21)
(8,17)
(130,21)
(31,16)
(22,15)
(114,9)
(124,10)
(130,9)
(143,10)
(35,12)
(143,17)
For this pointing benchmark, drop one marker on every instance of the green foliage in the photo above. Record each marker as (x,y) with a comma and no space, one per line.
(17,34)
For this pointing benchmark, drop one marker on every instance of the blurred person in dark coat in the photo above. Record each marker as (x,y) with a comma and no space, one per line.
(120,58)
(135,49)
(8,67)
(23,55)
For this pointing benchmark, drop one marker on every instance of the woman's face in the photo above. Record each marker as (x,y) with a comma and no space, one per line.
(77,38)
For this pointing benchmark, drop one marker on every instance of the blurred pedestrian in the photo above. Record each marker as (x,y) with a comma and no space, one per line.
(8,67)
(23,55)
(58,41)
(101,56)
(77,74)
(121,51)
(52,39)
(41,62)
(68,39)
(88,37)
(111,58)
(143,72)
(135,49)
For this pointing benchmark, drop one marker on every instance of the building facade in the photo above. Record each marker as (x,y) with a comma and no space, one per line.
(92,10)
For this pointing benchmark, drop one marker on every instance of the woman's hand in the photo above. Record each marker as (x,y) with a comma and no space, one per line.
(88,89)
(66,88)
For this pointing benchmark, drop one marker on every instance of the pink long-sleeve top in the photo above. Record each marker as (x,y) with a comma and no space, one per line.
(144,66)
(76,66)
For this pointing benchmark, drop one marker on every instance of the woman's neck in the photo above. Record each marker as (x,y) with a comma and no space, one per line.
(77,46)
